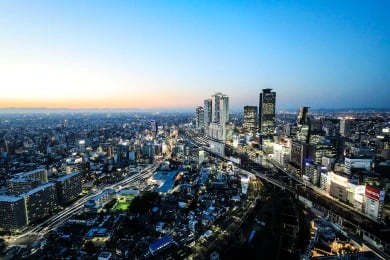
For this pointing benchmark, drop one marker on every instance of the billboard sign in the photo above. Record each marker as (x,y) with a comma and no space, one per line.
(375,193)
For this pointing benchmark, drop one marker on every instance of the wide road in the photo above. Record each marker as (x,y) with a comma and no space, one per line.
(59,218)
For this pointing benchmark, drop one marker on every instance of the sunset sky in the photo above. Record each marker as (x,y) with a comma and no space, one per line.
(174,54)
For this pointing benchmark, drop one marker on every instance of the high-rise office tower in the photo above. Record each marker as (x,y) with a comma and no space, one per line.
(250,119)
(153,126)
(82,145)
(346,124)
(220,108)
(207,107)
(110,151)
(302,116)
(267,111)
(303,133)
(199,117)
(301,153)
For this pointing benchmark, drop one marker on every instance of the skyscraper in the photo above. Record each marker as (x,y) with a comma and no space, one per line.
(154,127)
(199,117)
(250,119)
(303,133)
(346,124)
(302,116)
(207,107)
(219,104)
(267,111)
(301,153)
(220,108)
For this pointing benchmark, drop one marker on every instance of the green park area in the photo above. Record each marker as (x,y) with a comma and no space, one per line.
(123,204)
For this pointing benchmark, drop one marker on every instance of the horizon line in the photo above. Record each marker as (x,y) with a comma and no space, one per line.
(168,109)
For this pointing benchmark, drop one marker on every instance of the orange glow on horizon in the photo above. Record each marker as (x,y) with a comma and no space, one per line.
(98,103)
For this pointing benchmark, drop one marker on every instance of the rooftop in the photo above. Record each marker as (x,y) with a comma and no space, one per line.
(67,176)
(9,198)
(37,189)
(159,244)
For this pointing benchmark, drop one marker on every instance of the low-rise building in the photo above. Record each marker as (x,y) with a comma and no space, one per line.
(95,204)
(160,244)
(373,202)
(353,163)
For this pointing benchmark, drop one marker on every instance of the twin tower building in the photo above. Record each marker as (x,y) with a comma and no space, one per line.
(213,117)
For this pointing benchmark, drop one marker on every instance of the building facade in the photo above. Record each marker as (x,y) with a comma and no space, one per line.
(40,202)
(38,174)
(367,199)
(12,213)
(207,108)
(346,125)
(220,108)
(250,119)
(301,154)
(154,127)
(68,187)
(352,164)
(217,128)
(303,125)
(199,117)
(267,103)
(19,186)
(373,202)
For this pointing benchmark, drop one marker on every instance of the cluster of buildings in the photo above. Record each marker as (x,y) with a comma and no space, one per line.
(46,161)
(352,169)
(345,154)
(31,197)
(82,153)
(202,190)
(213,117)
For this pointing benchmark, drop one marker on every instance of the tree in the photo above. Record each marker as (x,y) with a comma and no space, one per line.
(142,204)
(90,248)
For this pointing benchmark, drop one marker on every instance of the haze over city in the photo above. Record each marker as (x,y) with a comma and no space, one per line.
(167,129)
(173,54)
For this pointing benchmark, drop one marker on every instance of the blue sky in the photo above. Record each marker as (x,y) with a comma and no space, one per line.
(174,54)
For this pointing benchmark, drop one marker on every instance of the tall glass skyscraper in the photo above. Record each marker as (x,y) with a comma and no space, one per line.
(220,108)
(199,117)
(216,116)
(267,111)
(303,124)
(250,119)
(207,107)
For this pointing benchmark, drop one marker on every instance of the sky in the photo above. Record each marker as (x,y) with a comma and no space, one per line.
(174,54)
